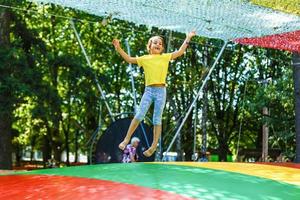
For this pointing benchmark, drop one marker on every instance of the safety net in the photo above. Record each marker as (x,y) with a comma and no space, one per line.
(223,19)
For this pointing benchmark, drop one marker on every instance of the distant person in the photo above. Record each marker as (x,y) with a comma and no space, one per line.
(129,154)
(52,163)
(103,157)
(155,66)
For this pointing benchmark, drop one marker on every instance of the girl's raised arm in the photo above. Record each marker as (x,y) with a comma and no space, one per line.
(124,55)
(184,45)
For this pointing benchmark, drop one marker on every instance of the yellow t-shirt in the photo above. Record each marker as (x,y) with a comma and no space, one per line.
(155,67)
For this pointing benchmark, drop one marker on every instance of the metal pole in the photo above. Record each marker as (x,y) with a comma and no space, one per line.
(131,77)
(197,96)
(169,41)
(241,122)
(90,65)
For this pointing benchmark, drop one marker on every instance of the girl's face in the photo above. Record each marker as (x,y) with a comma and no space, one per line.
(156,46)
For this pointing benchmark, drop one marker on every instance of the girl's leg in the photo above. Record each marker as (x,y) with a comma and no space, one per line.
(159,104)
(133,125)
(143,108)
(156,136)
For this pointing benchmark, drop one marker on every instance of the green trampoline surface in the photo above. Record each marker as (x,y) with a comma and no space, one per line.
(186,181)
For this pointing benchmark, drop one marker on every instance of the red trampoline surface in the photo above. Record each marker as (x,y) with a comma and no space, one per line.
(63,187)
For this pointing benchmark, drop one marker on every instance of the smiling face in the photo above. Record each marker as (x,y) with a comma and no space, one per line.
(155,45)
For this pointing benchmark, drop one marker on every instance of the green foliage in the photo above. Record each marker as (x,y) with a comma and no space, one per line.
(53,95)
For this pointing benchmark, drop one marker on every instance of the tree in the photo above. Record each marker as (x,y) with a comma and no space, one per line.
(296,63)
(6,96)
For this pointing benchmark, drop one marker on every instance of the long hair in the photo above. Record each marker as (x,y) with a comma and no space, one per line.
(150,41)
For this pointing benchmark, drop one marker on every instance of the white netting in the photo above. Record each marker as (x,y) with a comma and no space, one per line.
(224,19)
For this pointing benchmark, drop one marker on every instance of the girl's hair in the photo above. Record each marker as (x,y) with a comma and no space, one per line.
(151,40)
(135,139)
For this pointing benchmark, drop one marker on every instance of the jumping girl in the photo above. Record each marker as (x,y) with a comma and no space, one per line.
(155,66)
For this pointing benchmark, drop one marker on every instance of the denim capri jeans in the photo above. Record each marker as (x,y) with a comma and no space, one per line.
(156,95)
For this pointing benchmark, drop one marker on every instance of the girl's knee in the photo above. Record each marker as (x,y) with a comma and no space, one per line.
(139,117)
(157,120)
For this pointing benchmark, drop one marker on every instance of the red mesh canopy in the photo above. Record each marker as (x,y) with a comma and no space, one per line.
(286,41)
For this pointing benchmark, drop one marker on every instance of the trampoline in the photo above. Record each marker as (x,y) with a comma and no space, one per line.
(174,180)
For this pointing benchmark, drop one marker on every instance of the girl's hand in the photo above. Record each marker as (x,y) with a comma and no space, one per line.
(191,34)
(116,43)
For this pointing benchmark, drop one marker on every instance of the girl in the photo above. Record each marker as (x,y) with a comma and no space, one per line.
(155,67)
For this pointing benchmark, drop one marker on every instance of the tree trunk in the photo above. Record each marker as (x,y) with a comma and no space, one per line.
(57,144)
(31,154)
(67,132)
(4,28)
(18,152)
(6,103)
(76,146)
(187,138)
(223,149)
(178,147)
(55,103)
(5,140)
(265,137)
(46,148)
(203,123)
(296,63)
